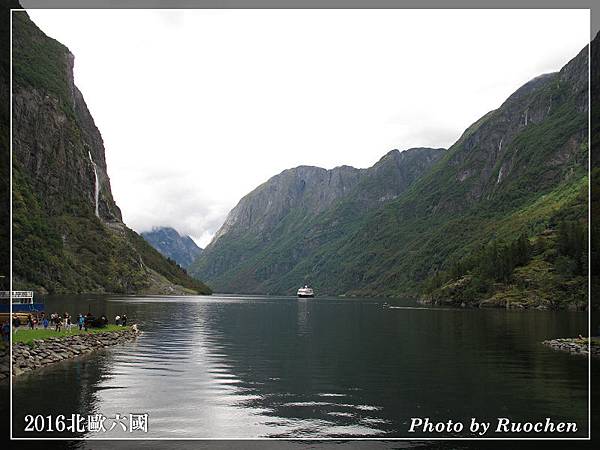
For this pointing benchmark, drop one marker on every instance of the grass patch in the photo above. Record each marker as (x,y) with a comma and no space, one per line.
(27,335)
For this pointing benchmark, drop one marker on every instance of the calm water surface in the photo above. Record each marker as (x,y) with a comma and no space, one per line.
(240,366)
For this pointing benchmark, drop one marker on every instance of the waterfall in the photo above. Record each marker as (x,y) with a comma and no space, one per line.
(97,185)
(499,175)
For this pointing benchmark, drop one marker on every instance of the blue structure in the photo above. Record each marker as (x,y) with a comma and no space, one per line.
(22,303)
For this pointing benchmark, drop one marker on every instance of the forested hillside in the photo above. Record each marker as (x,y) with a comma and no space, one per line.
(68,235)
(283,223)
(498,218)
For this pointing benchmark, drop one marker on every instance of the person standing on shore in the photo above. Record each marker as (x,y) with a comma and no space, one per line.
(67,322)
(16,322)
(124,320)
(58,323)
(81,321)
(30,321)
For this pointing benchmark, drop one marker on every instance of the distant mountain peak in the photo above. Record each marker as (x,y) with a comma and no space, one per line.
(288,203)
(180,247)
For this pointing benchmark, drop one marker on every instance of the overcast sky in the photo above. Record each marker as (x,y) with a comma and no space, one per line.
(199,107)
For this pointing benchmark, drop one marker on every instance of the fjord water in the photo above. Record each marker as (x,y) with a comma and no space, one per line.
(248,366)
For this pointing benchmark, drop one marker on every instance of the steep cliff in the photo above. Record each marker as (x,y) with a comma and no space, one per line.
(4,146)
(520,169)
(294,214)
(595,167)
(180,248)
(68,235)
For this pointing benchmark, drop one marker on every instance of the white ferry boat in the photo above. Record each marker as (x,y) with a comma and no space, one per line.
(306,292)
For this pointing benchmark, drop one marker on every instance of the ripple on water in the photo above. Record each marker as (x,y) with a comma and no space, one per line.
(274,367)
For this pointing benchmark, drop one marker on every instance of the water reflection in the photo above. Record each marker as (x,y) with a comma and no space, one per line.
(303,316)
(281,367)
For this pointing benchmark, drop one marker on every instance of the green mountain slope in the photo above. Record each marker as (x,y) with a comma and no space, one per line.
(68,235)
(595,169)
(294,215)
(519,170)
(508,174)
(4,147)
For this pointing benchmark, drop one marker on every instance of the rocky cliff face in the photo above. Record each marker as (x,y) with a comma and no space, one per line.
(67,229)
(180,248)
(281,216)
(56,141)
(595,168)
(309,191)
(516,170)
(384,230)
(595,101)
(496,149)
(5,148)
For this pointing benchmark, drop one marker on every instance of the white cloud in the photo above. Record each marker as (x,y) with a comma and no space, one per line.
(198,107)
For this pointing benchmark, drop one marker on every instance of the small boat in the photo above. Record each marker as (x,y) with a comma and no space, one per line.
(306,292)
(22,304)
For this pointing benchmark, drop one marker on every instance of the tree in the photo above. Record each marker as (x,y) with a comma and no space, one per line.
(572,243)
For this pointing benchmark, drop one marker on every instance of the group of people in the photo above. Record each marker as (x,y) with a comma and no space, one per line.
(66,321)
(121,320)
(58,322)
(55,320)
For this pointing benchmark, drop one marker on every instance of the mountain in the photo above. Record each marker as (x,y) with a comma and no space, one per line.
(293,215)
(513,187)
(595,168)
(68,234)
(180,248)
(5,148)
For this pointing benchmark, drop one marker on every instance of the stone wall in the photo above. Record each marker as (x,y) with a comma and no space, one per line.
(4,363)
(47,351)
(575,346)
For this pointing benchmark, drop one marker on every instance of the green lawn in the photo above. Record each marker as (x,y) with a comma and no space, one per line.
(27,335)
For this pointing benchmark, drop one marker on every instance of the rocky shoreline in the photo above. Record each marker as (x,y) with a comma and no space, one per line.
(4,363)
(575,346)
(43,352)
(500,301)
